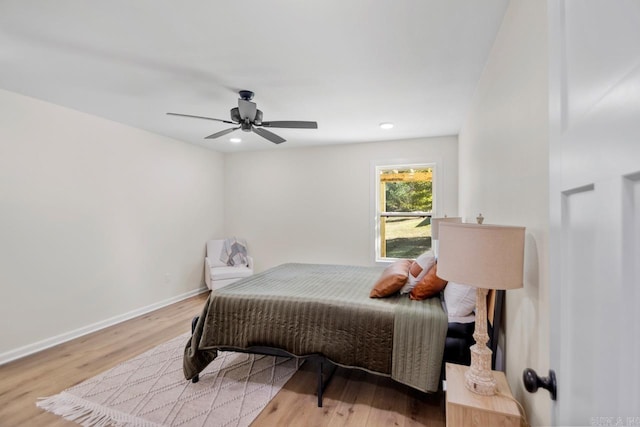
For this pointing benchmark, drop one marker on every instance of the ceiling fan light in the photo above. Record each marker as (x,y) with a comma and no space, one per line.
(235,140)
(386,125)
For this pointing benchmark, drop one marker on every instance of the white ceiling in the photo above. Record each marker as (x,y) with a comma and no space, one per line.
(349,65)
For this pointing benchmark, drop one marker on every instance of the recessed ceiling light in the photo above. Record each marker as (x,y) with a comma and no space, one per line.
(386,125)
(235,140)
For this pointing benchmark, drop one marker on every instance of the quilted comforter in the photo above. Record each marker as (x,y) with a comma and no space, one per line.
(308,309)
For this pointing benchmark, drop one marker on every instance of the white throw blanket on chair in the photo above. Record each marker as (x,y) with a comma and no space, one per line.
(234,252)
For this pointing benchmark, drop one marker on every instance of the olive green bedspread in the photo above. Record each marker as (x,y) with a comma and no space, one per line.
(308,309)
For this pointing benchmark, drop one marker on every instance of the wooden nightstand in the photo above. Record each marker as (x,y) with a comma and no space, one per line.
(465,408)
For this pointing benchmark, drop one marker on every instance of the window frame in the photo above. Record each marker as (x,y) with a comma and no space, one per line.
(376,214)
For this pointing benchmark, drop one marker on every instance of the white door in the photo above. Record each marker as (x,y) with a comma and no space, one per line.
(595,210)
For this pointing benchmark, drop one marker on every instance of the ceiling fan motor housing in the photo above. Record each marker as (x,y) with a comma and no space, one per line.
(235,117)
(247,95)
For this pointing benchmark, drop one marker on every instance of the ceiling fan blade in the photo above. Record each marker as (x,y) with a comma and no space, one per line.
(221,133)
(291,124)
(268,135)
(200,117)
(247,109)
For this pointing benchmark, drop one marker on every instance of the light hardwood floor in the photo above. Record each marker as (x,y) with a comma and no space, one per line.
(353,398)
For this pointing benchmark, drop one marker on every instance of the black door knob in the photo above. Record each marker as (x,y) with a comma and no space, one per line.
(532,382)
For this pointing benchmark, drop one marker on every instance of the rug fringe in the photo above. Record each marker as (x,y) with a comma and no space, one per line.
(89,414)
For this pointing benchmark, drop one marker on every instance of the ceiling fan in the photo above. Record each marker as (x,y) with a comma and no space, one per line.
(248,118)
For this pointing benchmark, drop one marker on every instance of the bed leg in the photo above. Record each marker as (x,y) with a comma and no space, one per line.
(322,382)
(194,322)
(320,387)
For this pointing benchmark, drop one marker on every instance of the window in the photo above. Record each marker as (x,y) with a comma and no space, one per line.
(405,200)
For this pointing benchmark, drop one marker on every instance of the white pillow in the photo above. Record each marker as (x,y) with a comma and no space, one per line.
(418,269)
(461,302)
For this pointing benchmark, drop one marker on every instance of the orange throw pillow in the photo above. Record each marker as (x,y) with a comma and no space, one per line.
(429,286)
(392,279)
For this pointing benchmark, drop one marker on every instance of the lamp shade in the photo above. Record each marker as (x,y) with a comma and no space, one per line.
(483,256)
(435,224)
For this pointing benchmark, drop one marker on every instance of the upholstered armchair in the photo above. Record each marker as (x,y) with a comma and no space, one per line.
(217,274)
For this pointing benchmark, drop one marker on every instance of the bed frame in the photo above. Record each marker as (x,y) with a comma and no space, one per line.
(324,377)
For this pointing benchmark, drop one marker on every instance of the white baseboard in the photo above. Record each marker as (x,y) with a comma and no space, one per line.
(26,350)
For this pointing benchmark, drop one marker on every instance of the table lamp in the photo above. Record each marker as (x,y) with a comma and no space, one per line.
(435,224)
(485,257)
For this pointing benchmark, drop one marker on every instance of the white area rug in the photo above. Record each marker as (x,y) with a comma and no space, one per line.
(150,390)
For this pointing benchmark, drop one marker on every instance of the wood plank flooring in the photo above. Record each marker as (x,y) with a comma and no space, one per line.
(353,398)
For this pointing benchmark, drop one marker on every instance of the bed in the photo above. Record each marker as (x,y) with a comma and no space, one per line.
(307,310)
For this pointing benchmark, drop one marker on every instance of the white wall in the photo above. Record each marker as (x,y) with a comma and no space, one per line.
(503,152)
(97,219)
(314,204)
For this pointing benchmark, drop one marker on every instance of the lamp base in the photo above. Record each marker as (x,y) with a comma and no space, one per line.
(479,382)
(479,378)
